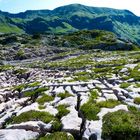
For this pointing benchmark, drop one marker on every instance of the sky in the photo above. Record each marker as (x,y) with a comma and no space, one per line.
(15,6)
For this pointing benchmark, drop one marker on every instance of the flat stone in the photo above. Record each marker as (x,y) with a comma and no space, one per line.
(123,70)
(100,99)
(90,86)
(33,106)
(110,96)
(50,109)
(71,101)
(71,123)
(132,66)
(59,89)
(104,111)
(35,126)
(80,88)
(16,134)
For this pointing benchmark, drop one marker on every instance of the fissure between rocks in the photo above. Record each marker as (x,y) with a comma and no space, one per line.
(80,114)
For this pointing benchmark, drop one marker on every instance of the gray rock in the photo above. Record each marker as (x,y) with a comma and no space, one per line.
(35,126)
(9,134)
(71,123)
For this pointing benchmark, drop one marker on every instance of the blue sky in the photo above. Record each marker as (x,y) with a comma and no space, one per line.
(15,6)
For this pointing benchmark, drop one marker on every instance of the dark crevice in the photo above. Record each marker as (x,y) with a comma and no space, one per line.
(80,114)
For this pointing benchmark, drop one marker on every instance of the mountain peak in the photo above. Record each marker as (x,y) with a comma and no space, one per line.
(74,17)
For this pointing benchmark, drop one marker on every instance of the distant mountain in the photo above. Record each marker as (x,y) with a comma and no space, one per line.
(71,18)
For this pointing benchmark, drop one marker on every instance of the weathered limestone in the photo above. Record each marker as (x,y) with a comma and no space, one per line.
(15,134)
(71,122)
(35,126)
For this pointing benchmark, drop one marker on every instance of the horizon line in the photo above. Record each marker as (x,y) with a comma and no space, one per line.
(67,5)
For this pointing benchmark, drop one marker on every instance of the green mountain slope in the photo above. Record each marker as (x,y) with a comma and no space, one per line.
(7,25)
(78,17)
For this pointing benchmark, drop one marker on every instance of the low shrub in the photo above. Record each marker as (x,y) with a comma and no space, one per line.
(121,125)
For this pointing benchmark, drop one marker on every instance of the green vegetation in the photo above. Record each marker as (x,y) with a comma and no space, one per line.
(137,100)
(64,95)
(79,62)
(93,94)
(135,73)
(56,125)
(108,104)
(62,111)
(5,68)
(57,136)
(83,76)
(90,110)
(121,125)
(36,91)
(20,54)
(41,107)
(33,116)
(20,71)
(7,28)
(45,98)
(34,84)
(44,21)
(125,85)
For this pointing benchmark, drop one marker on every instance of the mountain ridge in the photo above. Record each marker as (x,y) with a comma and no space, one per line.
(76,4)
(75,17)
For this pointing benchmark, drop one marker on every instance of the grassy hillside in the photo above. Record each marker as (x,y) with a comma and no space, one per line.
(75,17)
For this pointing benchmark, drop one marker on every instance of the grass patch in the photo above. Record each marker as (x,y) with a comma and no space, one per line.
(35,91)
(57,136)
(137,100)
(137,85)
(90,110)
(93,94)
(45,98)
(64,95)
(125,85)
(5,68)
(108,104)
(33,116)
(56,125)
(62,111)
(41,107)
(135,74)
(34,84)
